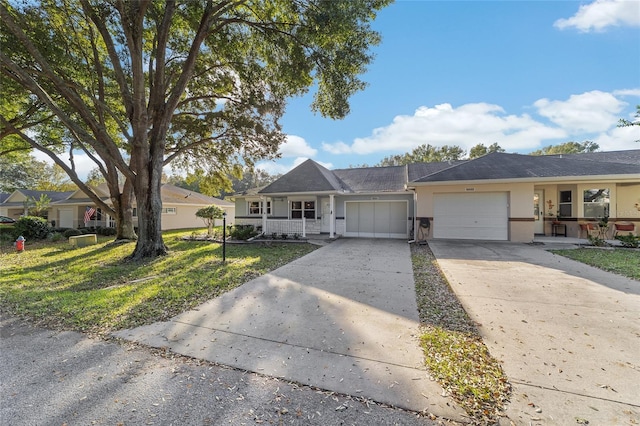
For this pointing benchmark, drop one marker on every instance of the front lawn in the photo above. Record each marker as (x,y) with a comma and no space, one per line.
(625,262)
(93,289)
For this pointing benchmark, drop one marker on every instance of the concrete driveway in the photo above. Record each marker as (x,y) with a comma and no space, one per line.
(568,335)
(343,318)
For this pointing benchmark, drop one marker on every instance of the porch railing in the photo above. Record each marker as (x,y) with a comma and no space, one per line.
(286,226)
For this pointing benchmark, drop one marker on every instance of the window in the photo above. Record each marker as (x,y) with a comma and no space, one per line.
(300,209)
(255,207)
(564,206)
(135,212)
(596,202)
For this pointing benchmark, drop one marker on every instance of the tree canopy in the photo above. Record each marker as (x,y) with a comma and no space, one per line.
(567,148)
(209,214)
(20,170)
(137,85)
(626,123)
(424,154)
(480,150)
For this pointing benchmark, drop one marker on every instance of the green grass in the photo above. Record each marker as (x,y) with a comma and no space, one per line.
(625,262)
(462,364)
(94,289)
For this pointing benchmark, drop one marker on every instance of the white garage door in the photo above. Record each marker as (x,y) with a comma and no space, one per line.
(66,218)
(376,219)
(477,216)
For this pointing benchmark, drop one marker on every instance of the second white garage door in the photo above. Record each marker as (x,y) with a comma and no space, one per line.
(477,216)
(376,219)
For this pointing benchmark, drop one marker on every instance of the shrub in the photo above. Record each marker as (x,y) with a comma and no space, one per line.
(71,233)
(60,230)
(596,241)
(242,232)
(630,241)
(55,237)
(32,228)
(105,230)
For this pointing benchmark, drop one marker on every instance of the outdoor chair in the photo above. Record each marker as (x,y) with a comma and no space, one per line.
(624,228)
(590,228)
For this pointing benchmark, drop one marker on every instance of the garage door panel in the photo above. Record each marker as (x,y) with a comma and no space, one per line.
(66,218)
(381,218)
(366,219)
(398,219)
(353,210)
(376,219)
(481,216)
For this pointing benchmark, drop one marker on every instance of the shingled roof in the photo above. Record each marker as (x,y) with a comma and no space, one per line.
(311,177)
(54,196)
(373,179)
(419,170)
(499,165)
(172,194)
(631,156)
(307,177)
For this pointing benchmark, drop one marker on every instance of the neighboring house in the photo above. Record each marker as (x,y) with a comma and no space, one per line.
(365,202)
(18,202)
(508,197)
(67,209)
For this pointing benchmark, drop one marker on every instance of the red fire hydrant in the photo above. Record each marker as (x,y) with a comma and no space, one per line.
(20,244)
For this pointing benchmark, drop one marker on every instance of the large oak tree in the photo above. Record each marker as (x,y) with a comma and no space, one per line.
(138,85)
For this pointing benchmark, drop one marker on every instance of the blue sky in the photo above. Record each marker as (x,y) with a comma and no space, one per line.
(524,74)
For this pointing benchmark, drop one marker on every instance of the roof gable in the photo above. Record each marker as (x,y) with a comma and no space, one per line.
(307,177)
(21,195)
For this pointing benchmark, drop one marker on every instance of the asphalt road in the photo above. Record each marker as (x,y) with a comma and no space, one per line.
(64,378)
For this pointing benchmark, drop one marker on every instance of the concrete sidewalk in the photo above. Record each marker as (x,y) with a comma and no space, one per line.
(568,335)
(343,318)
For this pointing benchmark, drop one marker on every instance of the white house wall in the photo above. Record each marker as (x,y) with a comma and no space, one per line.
(185,217)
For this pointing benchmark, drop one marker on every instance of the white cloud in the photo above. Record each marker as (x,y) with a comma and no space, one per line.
(601,14)
(587,116)
(295,146)
(280,167)
(336,148)
(465,126)
(627,92)
(82,162)
(588,112)
(619,138)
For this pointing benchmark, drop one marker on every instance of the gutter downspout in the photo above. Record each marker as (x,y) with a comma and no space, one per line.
(332,217)
(415,210)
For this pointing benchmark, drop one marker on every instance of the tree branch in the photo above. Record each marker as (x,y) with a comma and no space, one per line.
(70,171)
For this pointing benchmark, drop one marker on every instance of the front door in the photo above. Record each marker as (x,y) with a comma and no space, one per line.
(326,215)
(538,212)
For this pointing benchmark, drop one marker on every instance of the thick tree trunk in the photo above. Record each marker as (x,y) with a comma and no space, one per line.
(147,186)
(123,206)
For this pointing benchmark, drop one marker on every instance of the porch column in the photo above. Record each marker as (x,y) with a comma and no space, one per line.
(332,217)
(263,209)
